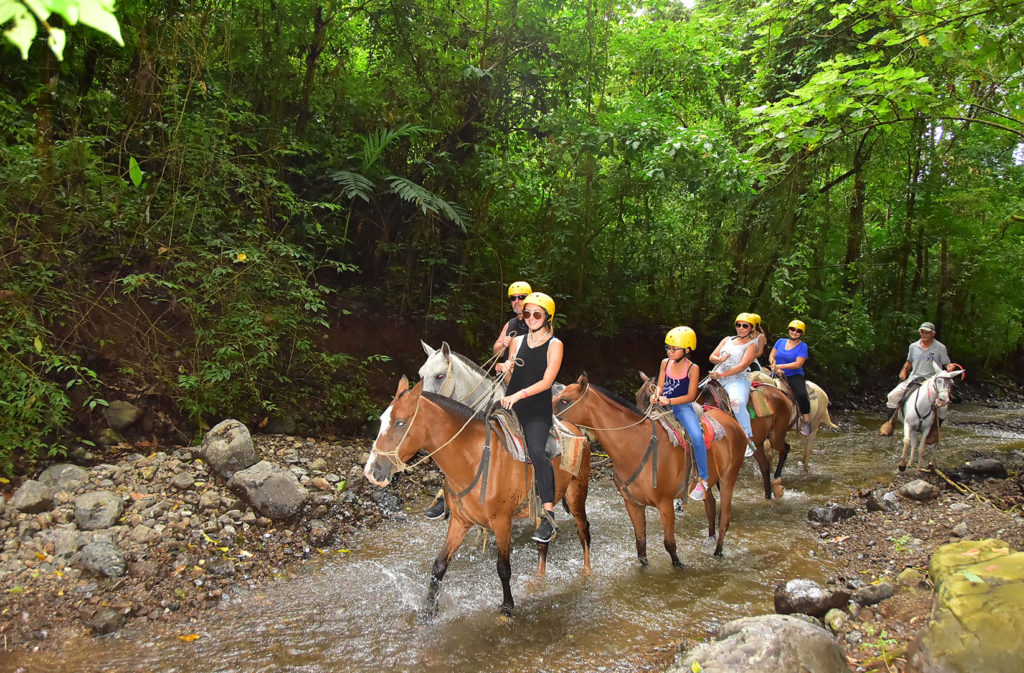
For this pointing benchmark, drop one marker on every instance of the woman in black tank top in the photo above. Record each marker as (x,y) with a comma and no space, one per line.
(533,361)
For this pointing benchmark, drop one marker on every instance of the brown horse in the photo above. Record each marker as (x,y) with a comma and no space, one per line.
(484,484)
(772,427)
(648,470)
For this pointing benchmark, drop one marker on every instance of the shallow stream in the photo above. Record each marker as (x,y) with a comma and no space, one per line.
(357,611)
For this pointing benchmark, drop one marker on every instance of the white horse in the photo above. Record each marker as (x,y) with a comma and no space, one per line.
(453,375)
(920,411)
(819,411)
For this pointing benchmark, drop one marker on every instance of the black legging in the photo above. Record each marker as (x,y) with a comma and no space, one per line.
(799,386)
(537,432)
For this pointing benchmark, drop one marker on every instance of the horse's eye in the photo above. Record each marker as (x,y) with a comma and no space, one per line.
(399,424)
(440,376)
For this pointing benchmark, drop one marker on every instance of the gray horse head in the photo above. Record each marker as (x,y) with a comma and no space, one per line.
(453,375)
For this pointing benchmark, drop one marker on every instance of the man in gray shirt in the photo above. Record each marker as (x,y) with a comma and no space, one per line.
(920,356)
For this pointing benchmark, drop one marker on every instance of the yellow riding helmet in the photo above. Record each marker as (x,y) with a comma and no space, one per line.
(744,317)
(519,287)
(542,300)
(681,337)
(799,324)
(755,319)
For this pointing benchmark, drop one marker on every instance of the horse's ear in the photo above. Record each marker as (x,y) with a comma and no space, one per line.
(403,385)
(643,377)
(583,380)
(418,388)
(427,349)
(446,349)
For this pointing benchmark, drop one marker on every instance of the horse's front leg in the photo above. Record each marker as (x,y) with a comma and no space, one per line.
(639,521)
(503,542)
(457,529)
(922,440)
(907,437)
(667,512)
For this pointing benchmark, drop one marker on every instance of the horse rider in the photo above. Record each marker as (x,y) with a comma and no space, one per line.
(762,340)
(920,356)
(516,326)
(731,358)
(788,356)
(533,362)
(677,389)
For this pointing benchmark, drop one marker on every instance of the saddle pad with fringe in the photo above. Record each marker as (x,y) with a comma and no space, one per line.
(711,428)
(512,433)
(758,405)
(572,447)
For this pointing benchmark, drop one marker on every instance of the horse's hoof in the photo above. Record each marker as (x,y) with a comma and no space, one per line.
(777,488)
(504,618)
(587,572)
(506,610)
(902,467)
(677,564)
(718,553)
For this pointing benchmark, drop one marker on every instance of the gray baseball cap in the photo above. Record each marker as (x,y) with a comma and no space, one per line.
(926,327)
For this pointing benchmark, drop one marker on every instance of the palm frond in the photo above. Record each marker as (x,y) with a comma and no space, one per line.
(427,201)
(353,184)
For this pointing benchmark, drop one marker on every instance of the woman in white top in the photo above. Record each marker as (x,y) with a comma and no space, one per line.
(731,360)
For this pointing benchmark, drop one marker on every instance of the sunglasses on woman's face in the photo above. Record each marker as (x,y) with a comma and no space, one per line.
(671,349)
(794,329)
(536,315)
(743,325)
(516,297)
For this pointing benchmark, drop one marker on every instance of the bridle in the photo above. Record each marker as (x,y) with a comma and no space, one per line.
(645,417)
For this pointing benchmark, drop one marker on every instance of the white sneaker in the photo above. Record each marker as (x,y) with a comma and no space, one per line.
(698,491)
(750,450)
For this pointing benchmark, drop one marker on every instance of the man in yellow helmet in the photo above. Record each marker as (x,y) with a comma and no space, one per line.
(516,326)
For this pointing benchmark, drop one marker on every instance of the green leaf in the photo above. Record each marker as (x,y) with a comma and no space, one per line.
(134,172)
(23,31)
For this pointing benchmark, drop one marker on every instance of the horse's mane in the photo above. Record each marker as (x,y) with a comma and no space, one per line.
(615,397)
(454,406)
(469,363)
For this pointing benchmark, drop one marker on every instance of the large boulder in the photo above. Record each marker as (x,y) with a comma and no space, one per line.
(32,497)
(920,490)
(64,477)
(96,510)
(104,558)
(228,448)
(978,611)
(766,644)
(122,415)
(807,597)
(274,491)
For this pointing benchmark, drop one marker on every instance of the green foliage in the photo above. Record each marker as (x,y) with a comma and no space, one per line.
(24,17)
(185,212)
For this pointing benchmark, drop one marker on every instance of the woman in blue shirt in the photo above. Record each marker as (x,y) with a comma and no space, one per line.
(789,356)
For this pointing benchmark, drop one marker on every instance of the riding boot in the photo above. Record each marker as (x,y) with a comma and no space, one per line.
(887,427)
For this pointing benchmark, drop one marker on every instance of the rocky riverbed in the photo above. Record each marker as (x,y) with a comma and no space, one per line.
(168,537)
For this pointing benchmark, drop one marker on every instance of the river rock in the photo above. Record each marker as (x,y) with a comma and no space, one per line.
(97,509)
(766,644)
(831,513)
(32,497)
(986,468)
(977,612)
(103,557)
(808,597)
(183,480)
(874,593)
(920,490)
(64,477)
(228,448)
(105,621)
(882,500)
(272,490)
(121,415)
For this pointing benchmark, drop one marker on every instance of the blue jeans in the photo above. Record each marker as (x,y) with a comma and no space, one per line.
(739,393)
(686,416)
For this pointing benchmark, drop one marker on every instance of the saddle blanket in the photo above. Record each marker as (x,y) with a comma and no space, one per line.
(757,405)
